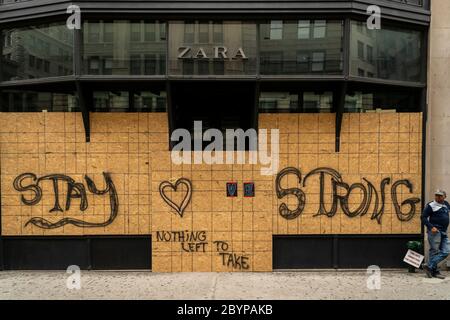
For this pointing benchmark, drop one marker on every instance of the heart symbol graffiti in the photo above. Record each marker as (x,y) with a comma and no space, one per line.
(182,181)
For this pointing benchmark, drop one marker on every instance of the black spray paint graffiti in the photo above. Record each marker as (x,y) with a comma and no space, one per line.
(75,190)
(343,199)
(190,241)
(231,259)
(196,241)
(178,208)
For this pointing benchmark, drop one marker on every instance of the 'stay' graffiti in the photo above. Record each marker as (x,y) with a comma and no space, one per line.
(187,198)
(75,190)
(340,198)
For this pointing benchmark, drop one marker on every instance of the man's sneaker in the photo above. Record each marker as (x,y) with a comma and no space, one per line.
(438,275)
(428,271)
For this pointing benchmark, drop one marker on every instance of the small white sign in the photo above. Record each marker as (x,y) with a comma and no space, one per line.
(413,258)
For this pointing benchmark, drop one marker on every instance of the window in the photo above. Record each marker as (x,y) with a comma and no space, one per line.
(189,32)
(360,50)
(107,101)
(318,61)
(150,32)
(33,101)
(31,61)
(125,53)
(306,47)
(150,64)
(320,29)
(304,29)
(107,65)
(147,101)
(303,62)
(272,62)
(34,53)
(276,30)
(94,65)
(135,67)
(46,66)
(278,102)
(317,102)
(219,67)
(217,32)
(203,35)
(203,67)
(361,72)
(135,31)
(370,54)
(119,101)
(39,62)
(108,34)
(162,31)
(7,39)
(391,53)
(94,33)
(382,99)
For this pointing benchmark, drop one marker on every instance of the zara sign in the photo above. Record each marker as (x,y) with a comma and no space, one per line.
(217,52)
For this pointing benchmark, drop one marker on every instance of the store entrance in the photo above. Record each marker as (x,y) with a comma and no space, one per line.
(218,104)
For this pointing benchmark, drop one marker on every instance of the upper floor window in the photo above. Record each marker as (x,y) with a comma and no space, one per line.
(37,51)
(276,30)
(140,39)
(389,53)
(302,47)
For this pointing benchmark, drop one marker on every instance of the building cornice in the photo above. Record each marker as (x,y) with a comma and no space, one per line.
(391,9)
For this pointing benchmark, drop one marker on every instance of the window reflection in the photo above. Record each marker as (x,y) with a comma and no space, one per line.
(301,47)
(33,101)
(37,52)
(305,102)
(129,101)
(314,102)
(123,47)
(382,100)
(387,53)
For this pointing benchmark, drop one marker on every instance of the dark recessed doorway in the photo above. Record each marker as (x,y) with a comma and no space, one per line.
(218,104)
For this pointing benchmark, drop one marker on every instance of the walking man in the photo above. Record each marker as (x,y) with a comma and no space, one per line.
(435,217)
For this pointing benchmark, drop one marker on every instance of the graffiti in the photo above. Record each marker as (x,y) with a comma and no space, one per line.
(231,259)
(197,242)
(285,212)
(75,190)
(232,189)
(341,199)
(178,208)
(249,189)
(190,241)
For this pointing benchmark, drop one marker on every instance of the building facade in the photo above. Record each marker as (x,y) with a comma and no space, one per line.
(87,116)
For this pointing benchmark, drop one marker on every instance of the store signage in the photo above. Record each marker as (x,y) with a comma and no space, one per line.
(217,52)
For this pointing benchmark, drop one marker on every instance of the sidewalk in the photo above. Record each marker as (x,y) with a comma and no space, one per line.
(276,285)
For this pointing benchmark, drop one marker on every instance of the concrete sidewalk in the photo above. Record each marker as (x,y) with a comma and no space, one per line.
(276,285)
